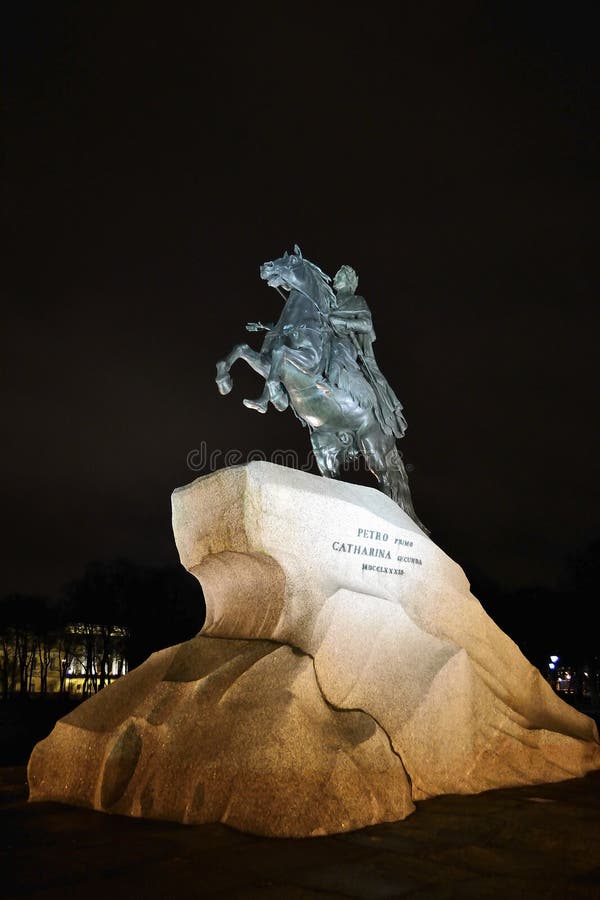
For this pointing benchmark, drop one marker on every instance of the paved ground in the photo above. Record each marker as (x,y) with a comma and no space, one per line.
(529,842)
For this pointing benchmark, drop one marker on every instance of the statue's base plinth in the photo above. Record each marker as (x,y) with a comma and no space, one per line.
(344,671)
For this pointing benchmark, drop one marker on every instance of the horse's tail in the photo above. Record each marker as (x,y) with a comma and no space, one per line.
(399,487)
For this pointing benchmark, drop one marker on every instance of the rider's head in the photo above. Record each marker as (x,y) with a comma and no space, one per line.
(346,280)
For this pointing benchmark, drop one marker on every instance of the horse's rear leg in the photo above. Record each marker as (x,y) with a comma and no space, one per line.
(386,463)
(328,450)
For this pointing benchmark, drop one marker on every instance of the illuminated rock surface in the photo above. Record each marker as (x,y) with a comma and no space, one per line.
(344,670)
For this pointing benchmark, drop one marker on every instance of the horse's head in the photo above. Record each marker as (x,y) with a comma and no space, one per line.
(287,272)
(292,272)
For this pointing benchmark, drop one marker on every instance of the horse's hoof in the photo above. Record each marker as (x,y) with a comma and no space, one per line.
(223,379)
(257,405)
(224,384)
(280,402)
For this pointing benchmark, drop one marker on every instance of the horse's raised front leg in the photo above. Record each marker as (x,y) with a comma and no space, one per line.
(257,361)
(278,397)
(273,390)
(304,359)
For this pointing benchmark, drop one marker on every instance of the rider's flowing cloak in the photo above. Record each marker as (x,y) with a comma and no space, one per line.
(352,363)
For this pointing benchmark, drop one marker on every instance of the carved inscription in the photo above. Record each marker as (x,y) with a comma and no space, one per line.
(379,545)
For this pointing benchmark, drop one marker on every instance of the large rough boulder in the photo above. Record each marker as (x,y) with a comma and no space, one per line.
(344,670)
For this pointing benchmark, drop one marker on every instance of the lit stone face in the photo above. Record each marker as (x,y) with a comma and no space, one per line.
(344,671)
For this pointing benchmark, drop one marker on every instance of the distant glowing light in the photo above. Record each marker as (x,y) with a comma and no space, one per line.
(554,659)
(551,666)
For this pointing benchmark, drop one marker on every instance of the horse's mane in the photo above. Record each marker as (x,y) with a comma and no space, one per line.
(317,270)
(322,281)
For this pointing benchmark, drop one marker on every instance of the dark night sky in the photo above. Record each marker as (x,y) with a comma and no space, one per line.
(155,156)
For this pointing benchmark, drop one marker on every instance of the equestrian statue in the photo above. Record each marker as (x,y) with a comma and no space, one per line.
(318,359)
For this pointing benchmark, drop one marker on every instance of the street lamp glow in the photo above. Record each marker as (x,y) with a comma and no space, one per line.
(554,659)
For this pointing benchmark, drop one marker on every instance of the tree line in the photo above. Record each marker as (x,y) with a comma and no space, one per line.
(102,624)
